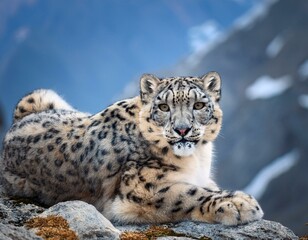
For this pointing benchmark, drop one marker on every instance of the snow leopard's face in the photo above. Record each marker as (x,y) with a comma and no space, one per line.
(184,110)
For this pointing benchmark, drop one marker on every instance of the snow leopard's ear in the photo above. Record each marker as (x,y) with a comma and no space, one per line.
(148,86)
(212,83)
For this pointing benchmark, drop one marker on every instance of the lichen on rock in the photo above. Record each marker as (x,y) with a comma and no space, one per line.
(154,232)
(51,228)
(17,211)
(87,223)
(84,220)
(262,229)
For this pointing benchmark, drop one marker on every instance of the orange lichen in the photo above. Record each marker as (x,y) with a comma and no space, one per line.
(153,233)
(52,228)
(133,236)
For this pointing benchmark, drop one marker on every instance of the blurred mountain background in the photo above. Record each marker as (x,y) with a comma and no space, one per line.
(93,52)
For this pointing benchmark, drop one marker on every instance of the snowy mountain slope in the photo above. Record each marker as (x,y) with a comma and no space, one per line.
(260,182)
(96,46)
(274,120)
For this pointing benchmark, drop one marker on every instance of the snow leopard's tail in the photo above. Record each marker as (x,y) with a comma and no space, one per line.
(38,101)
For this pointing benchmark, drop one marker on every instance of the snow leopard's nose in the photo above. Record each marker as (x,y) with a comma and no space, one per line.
(182,131)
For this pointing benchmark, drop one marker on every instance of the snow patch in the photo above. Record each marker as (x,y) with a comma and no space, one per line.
(279,166)
(202,39)
(266,87)
(275,46)
(303,100)
(203,36)
(258,11)
(207,36)
(303,70)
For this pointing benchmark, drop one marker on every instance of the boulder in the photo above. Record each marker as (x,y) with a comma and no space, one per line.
(262,229)
(10,232)
(17,212)
(84,219)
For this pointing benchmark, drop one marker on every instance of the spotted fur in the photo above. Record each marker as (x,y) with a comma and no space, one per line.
(145,159)
(39,100)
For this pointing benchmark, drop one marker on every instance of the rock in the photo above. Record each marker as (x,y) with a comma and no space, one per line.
(259,230)
(13,215)
(9,232)
(262,229)
(84,219)
(88,223)
(17,212)
(173,238)
(51,227)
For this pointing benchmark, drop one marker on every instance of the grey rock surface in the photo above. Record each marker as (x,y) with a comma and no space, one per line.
(88,223)
(10,232)
(84,220)
(256,230)
(263,229)
(13,215)
(16,212)
(173,238)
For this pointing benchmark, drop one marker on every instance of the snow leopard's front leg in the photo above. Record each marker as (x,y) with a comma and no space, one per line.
(140,200)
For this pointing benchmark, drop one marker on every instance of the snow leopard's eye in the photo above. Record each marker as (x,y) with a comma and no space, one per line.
(164,107)
(199,105)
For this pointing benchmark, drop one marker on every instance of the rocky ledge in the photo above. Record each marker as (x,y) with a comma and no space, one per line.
(78,220)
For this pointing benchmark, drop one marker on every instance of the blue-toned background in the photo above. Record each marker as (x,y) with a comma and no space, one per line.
(89,51)
(93,53)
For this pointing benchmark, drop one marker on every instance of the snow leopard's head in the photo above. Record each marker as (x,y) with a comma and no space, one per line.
(181,111)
